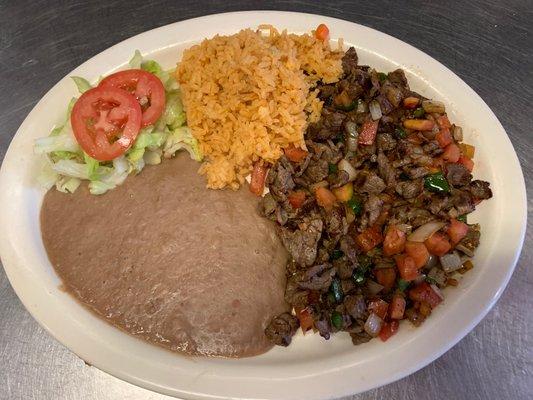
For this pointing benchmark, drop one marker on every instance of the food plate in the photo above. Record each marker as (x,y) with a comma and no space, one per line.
(310,368)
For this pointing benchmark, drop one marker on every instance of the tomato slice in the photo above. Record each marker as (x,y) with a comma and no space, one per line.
(145,86)
(106,122)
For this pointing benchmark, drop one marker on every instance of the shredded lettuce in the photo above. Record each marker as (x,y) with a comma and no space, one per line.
(136,60)
(66,165)
(82,84)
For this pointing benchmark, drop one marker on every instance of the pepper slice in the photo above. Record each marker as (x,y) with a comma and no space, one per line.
(437,183)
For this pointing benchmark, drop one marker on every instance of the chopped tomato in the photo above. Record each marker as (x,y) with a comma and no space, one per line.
(322,32)
(106,122)
(296,199)
(444,137)
(424,292)
(385,277)
(457,230)
(410,102)
(145,87)
(444,122)
(451,153)
(418,252)
(325,198)
(419,124)
(397,307)
(295,154)
(407,267)
(257,183)
(305,318)
(369,238)
(368,132)
(394,242)
(438,244)
(467,162)
(378,307)
(388,330)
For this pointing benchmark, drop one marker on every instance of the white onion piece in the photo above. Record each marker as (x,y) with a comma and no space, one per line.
(451,262)
(432,261)
(374,287)
(361,107)
(425,231)
(344,165)
(373,325)
(437,290)
(375,110)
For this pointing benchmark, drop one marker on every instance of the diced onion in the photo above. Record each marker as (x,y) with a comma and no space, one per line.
(437,291)
(425,231)
(375,110)
(465,250)
(344,165)
(361,107)
(374,287)
(451,262)
(373,325)
(458,133)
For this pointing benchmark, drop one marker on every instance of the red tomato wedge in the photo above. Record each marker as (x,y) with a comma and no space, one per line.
(257,181)
(296,199)
(418,252)
(368,132)
(451,153)
(322,32)
(457,230)
(295,154)
(106,122)
(145,86)
(407,267)
(389,329)
(385,277)
(467,162)
(369,238)
(438,244)
(424,292)
(378,307)
(394,242)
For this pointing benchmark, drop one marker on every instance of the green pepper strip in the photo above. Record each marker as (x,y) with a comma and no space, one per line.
(356,205)
(336,319)
(336,289)
(436,183)
(419,112)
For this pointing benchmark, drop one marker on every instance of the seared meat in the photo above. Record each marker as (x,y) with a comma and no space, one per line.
(480,190)
(339,236)
(458,175)
(410,189)
(281,329)
(349,61)
(386,142)
(302,243)
(355,306)
(371,210)
(318,277)
(373,184)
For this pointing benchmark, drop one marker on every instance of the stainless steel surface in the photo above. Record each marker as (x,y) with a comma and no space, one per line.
(487,43)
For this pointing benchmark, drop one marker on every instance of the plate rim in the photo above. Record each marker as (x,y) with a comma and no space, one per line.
(393,377)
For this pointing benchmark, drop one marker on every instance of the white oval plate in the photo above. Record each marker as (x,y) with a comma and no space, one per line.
(310,368)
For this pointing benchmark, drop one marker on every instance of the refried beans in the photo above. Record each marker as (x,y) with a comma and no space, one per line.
(163,258)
